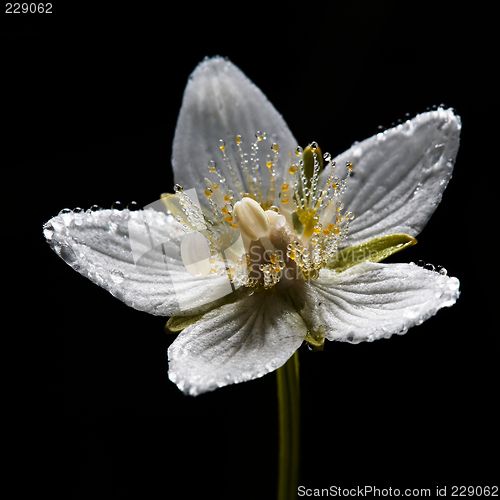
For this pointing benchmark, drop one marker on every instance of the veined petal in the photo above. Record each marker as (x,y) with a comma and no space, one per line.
(400,175)
(235,343)
(220,102)
(373,301)
(145,271)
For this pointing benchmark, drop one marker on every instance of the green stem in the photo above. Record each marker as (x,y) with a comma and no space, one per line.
(289,422)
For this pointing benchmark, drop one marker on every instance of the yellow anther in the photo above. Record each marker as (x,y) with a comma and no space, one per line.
(285,186)
(239,139)
(275,147)
(269,164)
(227,198)
(350,166)
(208,193)
(293,168)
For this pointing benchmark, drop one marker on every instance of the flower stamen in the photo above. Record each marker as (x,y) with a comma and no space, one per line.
(313,212)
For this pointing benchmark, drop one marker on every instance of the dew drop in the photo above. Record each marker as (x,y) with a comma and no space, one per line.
(133,205)
(67,254)
(441,270)
(95,208)
(48,231)
(117,205)
(429,267)
(117,276)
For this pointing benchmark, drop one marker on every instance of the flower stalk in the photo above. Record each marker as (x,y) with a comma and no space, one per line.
(289,424)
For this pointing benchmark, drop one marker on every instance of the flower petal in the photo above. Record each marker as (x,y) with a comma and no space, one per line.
(144,270)
(400,175)
(235,343)
(373,301)
(220,102)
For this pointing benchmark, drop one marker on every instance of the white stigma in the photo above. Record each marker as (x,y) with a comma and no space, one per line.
(252,219)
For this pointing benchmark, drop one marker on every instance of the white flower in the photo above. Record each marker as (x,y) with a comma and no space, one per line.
(255,266)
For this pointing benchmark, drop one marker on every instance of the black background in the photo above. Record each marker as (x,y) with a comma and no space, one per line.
(90,102)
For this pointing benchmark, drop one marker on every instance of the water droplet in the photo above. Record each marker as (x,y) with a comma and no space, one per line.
(65,211)
(133,205)
(420,263)
(211,166)
(117,276)
(429,267)
(117,205)
(178,188)
(67,254)
(95,208)
(48,231)
(441,270)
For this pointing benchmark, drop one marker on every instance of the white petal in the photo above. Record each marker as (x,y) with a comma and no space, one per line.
(373,301)
(400,175)
(98,245)
(220,102)
(235,343)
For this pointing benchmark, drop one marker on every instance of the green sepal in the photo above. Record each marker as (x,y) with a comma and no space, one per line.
(178,323)
(316,340)
(374,250)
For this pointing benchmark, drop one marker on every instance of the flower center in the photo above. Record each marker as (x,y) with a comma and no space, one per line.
(285,221)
